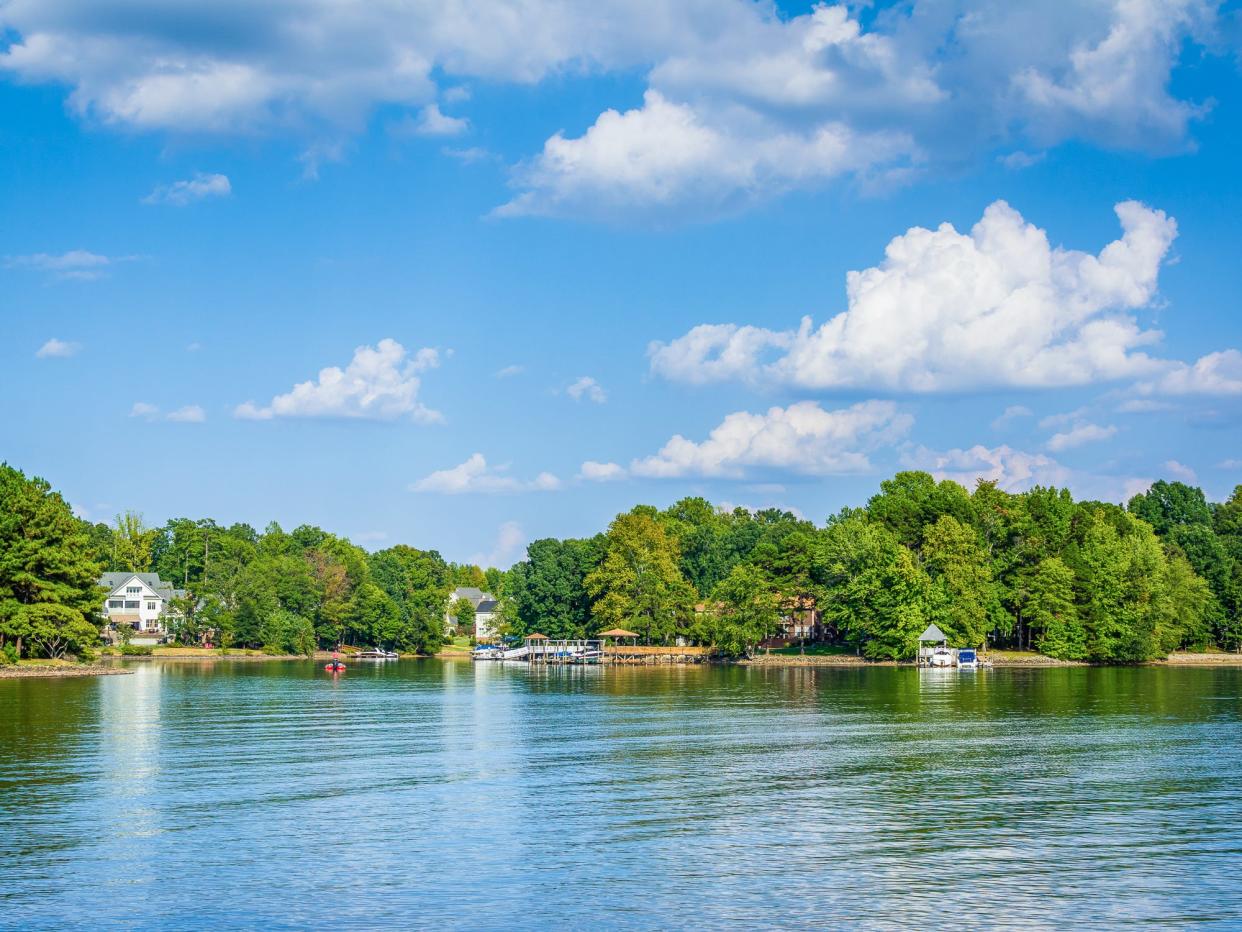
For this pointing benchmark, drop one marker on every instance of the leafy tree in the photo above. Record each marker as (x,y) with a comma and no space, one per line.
(417,581)
(745,609)
(878,596)
(133,542)
(911,501)
(462,613)
(958,564)
(638,585)
(49,597)
(1171,504)
(1052,612)
(549,588)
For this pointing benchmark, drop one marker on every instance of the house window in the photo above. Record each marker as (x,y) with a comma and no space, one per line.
(133,604)
(116,603)
(133,590)
(151,606)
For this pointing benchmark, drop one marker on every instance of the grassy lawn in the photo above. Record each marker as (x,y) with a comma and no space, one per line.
(456,645)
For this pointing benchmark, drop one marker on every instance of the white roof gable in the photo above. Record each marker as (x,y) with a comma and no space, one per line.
(147,591)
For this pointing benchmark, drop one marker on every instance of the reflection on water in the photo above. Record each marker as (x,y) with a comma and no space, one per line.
(500,795)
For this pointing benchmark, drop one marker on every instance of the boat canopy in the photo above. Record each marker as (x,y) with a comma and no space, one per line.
(932,634)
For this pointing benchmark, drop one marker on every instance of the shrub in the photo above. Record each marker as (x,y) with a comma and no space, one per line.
(136,650)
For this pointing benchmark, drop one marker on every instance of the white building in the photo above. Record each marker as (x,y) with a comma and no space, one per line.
(140,600)
(486,608)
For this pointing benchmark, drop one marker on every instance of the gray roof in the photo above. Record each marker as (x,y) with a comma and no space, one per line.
(476,596)
(488,606)
(165,590)
(933,634)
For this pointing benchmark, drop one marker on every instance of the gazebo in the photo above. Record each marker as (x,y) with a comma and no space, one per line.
(534,643)
(933,636)
(615,633)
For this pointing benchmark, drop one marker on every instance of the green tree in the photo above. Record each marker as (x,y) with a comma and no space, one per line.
(1171,504)
(877,595)
(744,609)
(958,564)
(638,585)
(1052,613)
(133,542)
(548,588)
(417,581)
(49,597)
(462,614)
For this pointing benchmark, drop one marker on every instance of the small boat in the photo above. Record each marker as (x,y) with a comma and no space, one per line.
(967,658)
(334,666)
(488,652)
(376,653)
(941,657)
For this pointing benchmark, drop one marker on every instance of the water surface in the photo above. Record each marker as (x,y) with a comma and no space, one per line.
(438,793)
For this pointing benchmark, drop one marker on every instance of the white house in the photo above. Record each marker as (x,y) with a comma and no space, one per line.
(140,600)
(486,607)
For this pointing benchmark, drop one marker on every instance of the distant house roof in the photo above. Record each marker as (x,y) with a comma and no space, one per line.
(487,606)
(113,581)
(470,592)
(933,634)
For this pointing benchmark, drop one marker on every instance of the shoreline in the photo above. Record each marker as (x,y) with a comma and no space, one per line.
(58,671)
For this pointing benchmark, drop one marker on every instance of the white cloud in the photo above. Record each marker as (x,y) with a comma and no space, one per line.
(587,387)
(601,472)
(474,475)
(802,438)
(1015,161)
(57,349)
(182,193)
(509,371)
(664,157)
(77,263)
(948,311)
(187,414)
(509,547)
(1230,464)
(1064,417)
(1012,470)
(380,383)
(1179,471)
(431,122)
(750,101)
(1011,413)
(1016,471)
(1214,374)
(1078,435)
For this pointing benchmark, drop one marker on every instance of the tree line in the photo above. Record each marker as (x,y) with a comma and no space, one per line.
(1034,570)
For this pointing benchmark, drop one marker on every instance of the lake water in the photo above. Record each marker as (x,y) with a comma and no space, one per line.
(430,793)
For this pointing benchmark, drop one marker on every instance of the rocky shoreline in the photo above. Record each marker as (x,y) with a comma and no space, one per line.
(33,671)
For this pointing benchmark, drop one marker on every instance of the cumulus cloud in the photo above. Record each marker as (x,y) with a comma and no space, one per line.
(750,101)
(586,387)
(948,311)
(431,122)
(601,472)
(1016,471)
(802,439)
(77,263)
(474,475)
(58,349)
(182,193)
(187,414)
(1180,471)
(1078,435)
(380,383)
(1217,373)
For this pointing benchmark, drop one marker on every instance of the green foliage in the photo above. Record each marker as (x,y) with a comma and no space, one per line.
(639,585)
(136,650)
(962,572)
(49,599)
(745,609)
(548,589)
(1052,612)
(417,583)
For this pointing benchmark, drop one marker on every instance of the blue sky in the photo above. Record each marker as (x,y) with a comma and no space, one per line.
(560,256)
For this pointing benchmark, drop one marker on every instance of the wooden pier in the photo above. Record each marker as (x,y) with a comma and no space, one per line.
(542,649)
